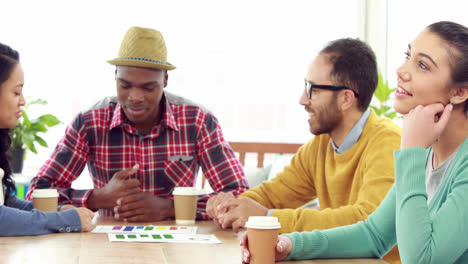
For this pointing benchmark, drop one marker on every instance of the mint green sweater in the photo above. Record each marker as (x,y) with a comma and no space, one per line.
(434,233)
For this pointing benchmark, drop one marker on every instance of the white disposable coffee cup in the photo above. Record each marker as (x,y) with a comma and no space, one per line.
(262,232)
(185,203)
(45,200)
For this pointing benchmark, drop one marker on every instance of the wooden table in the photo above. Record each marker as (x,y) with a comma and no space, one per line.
(96,248)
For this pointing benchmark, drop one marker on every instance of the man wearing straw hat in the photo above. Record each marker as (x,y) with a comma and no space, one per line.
(141,144)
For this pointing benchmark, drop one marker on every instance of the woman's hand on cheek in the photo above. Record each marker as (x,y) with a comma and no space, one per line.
(423,125)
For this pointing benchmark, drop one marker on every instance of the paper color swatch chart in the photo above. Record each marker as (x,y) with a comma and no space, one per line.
(145,229)
(164,238)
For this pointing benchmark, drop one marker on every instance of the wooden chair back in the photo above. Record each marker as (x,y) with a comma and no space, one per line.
(261,148)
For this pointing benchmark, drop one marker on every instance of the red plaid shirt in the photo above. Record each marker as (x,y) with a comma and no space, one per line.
(103,138)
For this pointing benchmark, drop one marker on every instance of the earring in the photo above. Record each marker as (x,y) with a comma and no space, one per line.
(452,100)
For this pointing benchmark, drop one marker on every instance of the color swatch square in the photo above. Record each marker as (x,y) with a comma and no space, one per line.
(128,228)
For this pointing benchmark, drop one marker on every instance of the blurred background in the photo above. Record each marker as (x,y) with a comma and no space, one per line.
(244,60)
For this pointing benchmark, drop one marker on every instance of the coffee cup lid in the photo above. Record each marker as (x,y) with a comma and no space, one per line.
(263,222)
(186,191)
(45,193)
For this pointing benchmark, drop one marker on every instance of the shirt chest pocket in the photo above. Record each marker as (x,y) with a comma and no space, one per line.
(180,170)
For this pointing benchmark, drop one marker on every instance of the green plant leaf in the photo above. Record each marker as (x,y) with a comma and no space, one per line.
(377,110)
(29,141)
(17,138)
(385,108)
(32,148)
(24,135)
(49,120)
(383,95)
(380,92)
(41,141)
(37,101)
(33,102)
(26,122)
(392,115)
(37,127)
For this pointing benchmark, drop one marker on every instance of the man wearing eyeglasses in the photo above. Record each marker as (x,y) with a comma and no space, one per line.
(348,165)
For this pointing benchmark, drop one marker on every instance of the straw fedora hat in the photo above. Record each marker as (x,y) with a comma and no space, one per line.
(143,47)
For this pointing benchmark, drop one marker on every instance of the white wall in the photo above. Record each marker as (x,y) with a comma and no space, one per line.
(243,59)
(407,18)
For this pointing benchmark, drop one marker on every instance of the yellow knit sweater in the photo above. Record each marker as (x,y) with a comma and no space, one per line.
(349,186)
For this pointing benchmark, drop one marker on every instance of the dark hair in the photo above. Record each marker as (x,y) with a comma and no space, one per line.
(9,58)
(354,65)
(456,36)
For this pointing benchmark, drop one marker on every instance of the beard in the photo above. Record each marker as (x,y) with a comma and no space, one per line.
(327,118)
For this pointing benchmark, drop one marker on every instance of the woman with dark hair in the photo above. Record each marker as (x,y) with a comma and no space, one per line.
(425,212)
(18,217)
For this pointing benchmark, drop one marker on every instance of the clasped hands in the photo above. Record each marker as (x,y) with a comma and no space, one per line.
(227,210)
(123,195)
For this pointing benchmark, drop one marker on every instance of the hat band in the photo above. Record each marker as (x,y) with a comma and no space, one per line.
(143,59)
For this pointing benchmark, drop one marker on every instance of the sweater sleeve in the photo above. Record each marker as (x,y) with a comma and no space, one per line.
(17,203)
(18,222)
(377,177)
(422,238)
(372,238)
(290,188)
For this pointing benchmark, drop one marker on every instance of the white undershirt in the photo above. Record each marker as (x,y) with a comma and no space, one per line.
(435,176)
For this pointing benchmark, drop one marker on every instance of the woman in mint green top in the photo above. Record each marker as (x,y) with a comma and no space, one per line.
(426,210)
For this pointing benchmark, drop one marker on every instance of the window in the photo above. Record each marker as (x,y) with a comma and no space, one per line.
(244,60)
(407,18)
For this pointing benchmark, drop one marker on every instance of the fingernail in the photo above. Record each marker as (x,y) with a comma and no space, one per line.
(450,107)
(136,166)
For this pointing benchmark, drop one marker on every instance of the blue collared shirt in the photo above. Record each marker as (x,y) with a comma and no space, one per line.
(353,135)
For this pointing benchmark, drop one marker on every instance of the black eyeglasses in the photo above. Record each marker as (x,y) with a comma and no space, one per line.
(309,86)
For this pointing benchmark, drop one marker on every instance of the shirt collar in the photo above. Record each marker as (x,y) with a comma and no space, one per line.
(353,135)
(117,117)
(168,119)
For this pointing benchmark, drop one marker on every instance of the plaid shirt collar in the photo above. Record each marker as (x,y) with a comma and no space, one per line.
(168,119)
